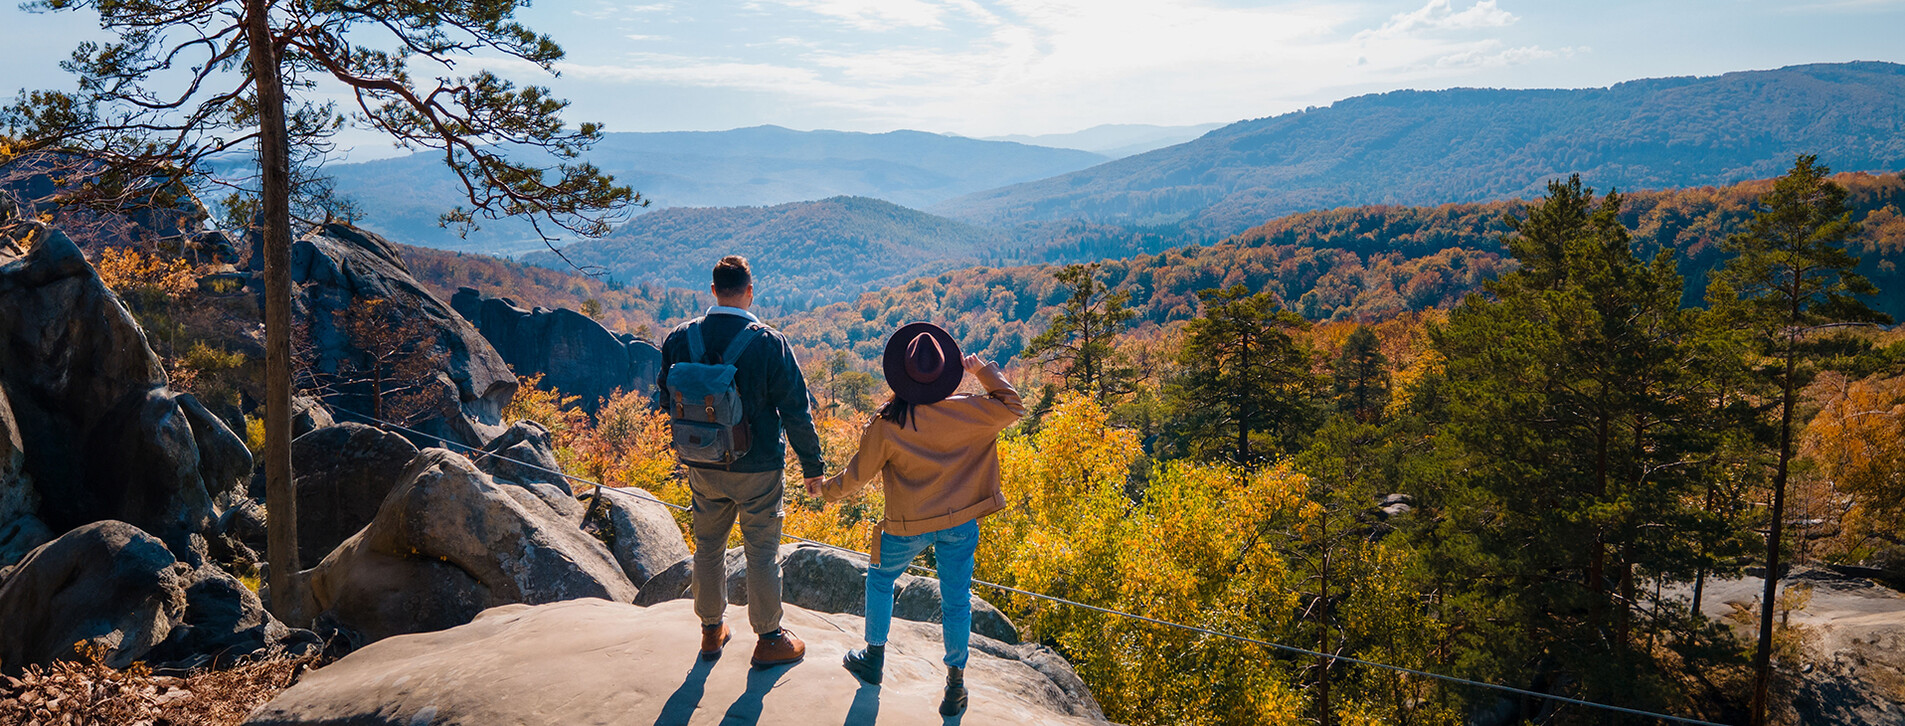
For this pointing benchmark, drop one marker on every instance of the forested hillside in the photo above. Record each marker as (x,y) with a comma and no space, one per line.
(1563,485)
(1417,147)
(764,165)
(804,253)
(1357,263)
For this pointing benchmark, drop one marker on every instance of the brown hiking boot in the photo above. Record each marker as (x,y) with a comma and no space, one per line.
(778,648)
(712,638)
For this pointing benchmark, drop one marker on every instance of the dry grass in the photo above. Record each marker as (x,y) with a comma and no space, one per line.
(89,692)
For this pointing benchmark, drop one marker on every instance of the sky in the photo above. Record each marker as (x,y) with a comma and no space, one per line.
(994,67)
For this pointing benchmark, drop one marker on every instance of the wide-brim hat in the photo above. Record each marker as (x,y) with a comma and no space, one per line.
(922,363)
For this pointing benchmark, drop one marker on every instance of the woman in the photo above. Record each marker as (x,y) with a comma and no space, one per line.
(938,457)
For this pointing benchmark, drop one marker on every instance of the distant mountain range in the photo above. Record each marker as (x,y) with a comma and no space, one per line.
(1114,140)
(1431,147)
(804,253)
(764,165)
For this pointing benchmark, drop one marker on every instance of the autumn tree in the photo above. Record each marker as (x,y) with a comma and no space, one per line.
(1244,375)
(179,82)
(1790,278)
(1079,342)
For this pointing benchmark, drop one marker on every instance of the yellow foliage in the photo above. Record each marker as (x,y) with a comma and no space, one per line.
(126,270)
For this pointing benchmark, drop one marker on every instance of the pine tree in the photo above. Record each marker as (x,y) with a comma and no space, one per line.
(1567,396)
(1790,277)
(1079,341)
(1362,376)
(1244,375)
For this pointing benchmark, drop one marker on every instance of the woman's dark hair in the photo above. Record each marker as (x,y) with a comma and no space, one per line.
(897,410)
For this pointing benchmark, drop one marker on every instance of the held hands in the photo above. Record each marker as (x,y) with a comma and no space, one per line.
(813,485)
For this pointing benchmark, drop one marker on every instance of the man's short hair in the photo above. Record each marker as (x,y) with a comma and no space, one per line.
(732,276)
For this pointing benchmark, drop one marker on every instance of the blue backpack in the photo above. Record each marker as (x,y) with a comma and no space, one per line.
(704,407)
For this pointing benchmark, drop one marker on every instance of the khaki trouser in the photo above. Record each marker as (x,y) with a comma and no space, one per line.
(755,498)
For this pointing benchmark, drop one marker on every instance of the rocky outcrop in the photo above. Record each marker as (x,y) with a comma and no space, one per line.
(643,535)
(591,661)
(448,542)
(342,475)
(101,435)
(829,580)
(525,454)
(337,265)
(574,354)
(20,527)
(116,587)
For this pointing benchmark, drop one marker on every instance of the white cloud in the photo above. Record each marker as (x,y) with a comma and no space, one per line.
(1000,66)
(875,15)
(1440,15)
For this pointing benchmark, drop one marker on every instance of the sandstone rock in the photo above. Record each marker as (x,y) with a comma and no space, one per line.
(342,475)
(113,585)
(672,583)
(224,461)
(642,533)
(336,265)
(525,454)
(308,414)
(102,436)
(20,529)
(20,536)
(829,580)
(591,661)
(450,541)
(574,354)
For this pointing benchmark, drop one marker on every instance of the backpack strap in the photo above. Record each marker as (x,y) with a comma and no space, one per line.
(741,341)
(696,347)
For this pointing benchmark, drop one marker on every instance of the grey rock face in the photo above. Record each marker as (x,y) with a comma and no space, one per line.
(343,473)
(525,454)
(450,541)
(831,581)
(308,414)
(113,585)
(591,661)
(574,354)
(102,437)
(336,265)
(642,534)
(20,528)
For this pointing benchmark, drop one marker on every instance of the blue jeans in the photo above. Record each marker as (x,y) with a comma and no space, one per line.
(953,547)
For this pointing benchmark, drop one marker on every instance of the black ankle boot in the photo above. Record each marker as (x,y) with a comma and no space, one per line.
(867,663)
(955,702)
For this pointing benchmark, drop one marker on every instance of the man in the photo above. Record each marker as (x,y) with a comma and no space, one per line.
(772,395)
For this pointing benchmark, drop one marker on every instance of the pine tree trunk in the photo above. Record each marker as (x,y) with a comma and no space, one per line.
(281,528)
(1763,654)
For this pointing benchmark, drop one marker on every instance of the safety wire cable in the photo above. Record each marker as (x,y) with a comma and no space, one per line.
(645,495)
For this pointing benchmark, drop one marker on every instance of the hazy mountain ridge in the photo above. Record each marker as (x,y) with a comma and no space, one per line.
(1429,147)
(763,165)
(1115,140)
(804,253)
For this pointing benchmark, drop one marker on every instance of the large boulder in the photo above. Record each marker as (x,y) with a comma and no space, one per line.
(342,475)
(525,454)
(591,661)
(113,586)
(337,265)
(20,527)
(642,533)
(574,354)
(834,581)
(102,436)
(450,541)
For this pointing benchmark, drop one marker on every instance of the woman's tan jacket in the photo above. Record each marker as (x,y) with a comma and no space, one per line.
(942,468)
